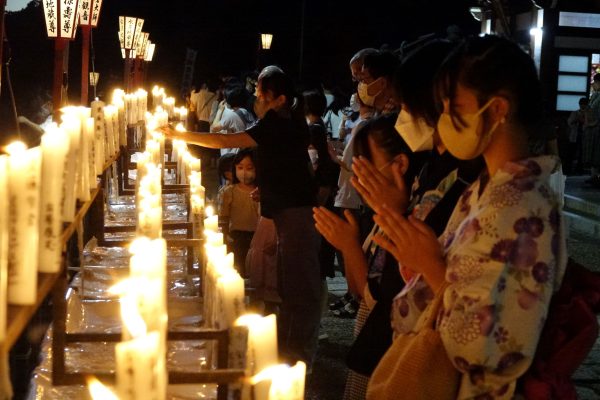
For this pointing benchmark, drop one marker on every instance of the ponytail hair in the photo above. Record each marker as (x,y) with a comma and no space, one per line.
(273,79)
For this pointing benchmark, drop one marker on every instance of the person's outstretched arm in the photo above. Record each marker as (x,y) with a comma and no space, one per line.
(212,140)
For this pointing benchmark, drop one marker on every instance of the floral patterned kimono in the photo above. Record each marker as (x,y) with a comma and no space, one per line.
(506,254)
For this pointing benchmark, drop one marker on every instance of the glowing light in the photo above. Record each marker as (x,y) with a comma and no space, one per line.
(98,391)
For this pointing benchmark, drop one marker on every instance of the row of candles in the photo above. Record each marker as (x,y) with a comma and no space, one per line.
(40,187)
(253,337)
(160,99)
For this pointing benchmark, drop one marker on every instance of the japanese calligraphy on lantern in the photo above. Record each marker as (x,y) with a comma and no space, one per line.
(51,15)
(68,12)
(84,16)
(96,12)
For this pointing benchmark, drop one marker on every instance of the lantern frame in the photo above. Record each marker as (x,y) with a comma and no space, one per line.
(142,45)
(149,52)
(90,12)
(132,29)
(265,40)
(94,77)
(62,18)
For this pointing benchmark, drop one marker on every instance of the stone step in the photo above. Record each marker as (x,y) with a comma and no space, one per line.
(582,207)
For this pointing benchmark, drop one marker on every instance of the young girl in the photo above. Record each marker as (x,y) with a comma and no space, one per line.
(502,254)
(238,212)
(372,273)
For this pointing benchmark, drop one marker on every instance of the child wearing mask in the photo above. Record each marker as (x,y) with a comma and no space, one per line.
(238,212)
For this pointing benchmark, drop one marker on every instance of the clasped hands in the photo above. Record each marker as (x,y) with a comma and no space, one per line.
(412,242)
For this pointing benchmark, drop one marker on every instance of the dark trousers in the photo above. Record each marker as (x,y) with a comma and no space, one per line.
(299,284)
(240,243)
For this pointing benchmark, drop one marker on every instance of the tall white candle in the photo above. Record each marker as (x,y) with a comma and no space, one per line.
(89,130)
(288,383)
(120,104)
(109,129)
(138,368)
(262,341)
(230,286)
(24,193)
(98,115)
(84,164)
(261,350)
(140,362)
(3,243)
(98,391)
(72,125)
(55,146)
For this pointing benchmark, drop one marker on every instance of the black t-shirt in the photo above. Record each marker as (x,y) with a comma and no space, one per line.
(283,166)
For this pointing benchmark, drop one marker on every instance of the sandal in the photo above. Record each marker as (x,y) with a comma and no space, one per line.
(341,302)
(349,311)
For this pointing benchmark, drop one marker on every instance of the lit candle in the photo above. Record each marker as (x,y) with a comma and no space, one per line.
(55,146)
(3,243)
(84,182)
(160,139)
(287,383)
(120,104)
(211,222)
(23,213)
(72,125)
(153,147)
(230,289)
(142,103)
(262,341)
(140,362)
(109,127)
(98,391)
(89,130)
(149,221)
(197,197)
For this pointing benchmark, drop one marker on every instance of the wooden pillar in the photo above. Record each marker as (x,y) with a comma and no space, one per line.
(85,61)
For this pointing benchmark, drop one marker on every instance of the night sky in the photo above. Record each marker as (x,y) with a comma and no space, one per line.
(226,35)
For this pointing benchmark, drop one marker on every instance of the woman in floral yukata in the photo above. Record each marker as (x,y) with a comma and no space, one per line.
(502,254)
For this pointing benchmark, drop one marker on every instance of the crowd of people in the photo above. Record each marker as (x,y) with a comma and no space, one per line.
(432,200)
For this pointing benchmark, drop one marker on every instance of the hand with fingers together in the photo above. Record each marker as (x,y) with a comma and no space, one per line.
(341,233)
(344,235)
(376,189)
(413,243)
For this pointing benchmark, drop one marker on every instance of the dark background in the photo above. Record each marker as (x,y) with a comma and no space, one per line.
(226,35)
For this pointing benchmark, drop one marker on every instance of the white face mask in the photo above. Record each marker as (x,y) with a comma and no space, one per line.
(417,134)
(363,92)
(469,142)
(245,177)
(354,105)
(314,156)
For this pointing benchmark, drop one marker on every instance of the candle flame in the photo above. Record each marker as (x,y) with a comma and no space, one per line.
(270,373)
(284,379)
(179,127)
(132,320)
(209,211)
(98,391)
(248,319)
(15,147)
